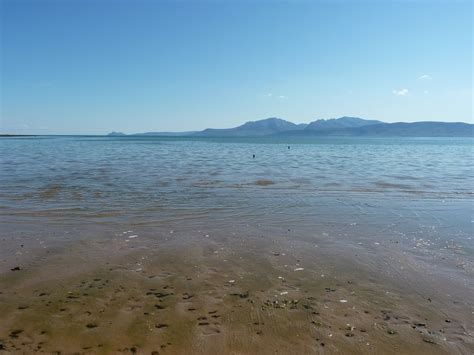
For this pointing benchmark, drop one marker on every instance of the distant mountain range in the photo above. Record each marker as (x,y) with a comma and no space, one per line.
(264,127)
(163,134)
(343,126)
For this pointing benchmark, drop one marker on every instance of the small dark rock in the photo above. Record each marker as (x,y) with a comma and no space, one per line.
(15,333)
(428,340)
(241,295)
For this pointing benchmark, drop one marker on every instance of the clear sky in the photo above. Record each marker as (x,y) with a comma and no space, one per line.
(90,67)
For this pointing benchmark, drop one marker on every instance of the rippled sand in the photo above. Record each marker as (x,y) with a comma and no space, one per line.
(166,291)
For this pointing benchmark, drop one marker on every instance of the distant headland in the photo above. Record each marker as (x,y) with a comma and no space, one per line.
(2,135)
(343,126)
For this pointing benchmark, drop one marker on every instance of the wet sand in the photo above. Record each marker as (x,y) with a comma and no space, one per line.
(172,246)
(258,289)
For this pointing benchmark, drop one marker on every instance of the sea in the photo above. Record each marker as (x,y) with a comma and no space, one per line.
(380,222)
(413,186)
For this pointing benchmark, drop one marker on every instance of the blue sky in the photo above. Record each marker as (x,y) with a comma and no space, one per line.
(90,67)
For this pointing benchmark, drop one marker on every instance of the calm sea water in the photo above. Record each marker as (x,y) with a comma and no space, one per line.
(385,196)
(153,180)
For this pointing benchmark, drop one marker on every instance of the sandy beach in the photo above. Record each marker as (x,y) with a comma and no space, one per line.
(210,292)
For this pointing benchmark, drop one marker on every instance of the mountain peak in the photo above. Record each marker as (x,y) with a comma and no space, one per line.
(341,122)
(262,127)
(274,123)
(115,134)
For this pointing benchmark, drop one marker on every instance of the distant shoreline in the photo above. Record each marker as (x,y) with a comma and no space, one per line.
(18,135)
(137,135)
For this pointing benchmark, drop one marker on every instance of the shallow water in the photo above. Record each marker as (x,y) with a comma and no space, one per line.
(392,218)
(83,176)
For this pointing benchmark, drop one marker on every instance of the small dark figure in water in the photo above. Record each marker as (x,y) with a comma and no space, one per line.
(254,156)
(288,147)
